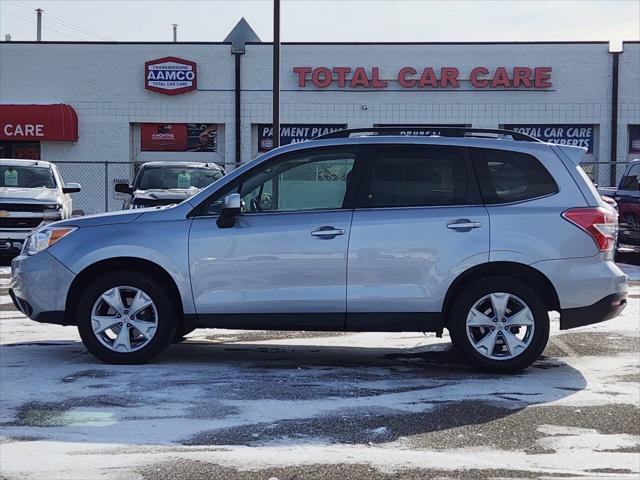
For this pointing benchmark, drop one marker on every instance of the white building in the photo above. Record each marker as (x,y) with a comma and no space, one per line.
(126,112)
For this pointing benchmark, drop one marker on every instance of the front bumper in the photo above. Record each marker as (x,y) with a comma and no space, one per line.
(39,286)
(11,240)
(604,309)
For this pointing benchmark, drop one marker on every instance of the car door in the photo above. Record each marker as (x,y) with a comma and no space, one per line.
(283,263)
(417,225)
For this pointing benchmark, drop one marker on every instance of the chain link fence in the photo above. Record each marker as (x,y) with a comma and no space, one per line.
(98,179)
(604,174)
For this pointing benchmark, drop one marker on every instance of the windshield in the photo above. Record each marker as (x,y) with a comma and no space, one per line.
(26,177)
(162,178)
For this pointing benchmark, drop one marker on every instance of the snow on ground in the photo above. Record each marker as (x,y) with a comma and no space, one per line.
(241,404)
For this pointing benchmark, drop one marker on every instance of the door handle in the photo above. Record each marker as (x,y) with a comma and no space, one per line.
(463,224)
(327,232)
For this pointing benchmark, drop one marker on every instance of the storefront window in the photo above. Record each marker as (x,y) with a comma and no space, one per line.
(21,150)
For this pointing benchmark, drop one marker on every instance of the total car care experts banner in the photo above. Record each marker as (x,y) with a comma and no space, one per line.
(178,137)
(293,133)
(568,134)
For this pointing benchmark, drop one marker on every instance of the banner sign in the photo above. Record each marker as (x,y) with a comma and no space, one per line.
(634,138)
(568,134)
(293,133)
(38,122)
(425,77)
(178,137)
(415,130)
(170,75)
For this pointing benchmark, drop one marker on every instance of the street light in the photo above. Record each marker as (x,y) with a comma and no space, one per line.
(276,73)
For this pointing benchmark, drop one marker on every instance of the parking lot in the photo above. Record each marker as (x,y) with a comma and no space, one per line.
(241,404)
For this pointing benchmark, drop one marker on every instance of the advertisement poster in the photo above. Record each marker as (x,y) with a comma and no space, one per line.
(179,137)
(293,133)
(569,134)
(634,139)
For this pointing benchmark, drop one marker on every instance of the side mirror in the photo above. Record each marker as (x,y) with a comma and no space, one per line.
(231,207)
(71,188)
(124,188)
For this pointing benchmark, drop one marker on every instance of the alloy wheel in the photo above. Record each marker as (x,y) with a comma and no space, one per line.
(500,326)
(124,319)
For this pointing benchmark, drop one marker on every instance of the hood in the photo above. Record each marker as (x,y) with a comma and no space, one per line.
(108,218)
(177,194)
(28,195)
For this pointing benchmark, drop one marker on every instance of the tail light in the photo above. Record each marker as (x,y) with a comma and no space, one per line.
(598,222)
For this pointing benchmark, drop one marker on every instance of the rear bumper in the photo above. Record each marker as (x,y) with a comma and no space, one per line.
(604,309)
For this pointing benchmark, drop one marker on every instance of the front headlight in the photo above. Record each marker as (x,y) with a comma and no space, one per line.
(43,239)
(53,206)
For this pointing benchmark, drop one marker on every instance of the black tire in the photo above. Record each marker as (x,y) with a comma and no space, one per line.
(471,294)
(167,320)
(181,333)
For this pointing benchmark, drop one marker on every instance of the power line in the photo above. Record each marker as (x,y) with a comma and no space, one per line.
(61,21)
(47,28)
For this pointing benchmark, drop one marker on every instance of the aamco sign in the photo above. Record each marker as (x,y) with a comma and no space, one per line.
(170,75)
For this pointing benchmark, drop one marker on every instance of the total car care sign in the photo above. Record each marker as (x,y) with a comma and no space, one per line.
(170,75)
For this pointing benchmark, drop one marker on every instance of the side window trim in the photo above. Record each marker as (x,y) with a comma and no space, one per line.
(235,186)
(472,196)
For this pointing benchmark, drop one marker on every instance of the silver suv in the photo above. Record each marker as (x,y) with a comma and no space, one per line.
(481,232)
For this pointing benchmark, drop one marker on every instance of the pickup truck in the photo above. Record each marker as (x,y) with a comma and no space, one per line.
(627,196)
(32,194)
(165,183)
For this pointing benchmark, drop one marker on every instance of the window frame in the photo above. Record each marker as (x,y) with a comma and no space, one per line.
(475,152)
(472,197)
(235,185)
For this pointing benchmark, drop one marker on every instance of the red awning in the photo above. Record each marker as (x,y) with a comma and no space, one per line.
(38,122)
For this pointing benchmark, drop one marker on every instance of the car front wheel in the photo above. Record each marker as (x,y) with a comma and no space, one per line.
(126,318)
(499,325)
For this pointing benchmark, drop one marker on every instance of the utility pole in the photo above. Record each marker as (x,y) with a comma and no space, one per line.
(175,32)
(276,73)
(39,24)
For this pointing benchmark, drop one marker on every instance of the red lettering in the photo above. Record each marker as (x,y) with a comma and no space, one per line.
(479,82)
(302,75)
(542,77)
(428,78)
(405,82)
(342,75)
(449,75)
(522,75)
(359,78)
(501,78)
(375,79)
(321,77)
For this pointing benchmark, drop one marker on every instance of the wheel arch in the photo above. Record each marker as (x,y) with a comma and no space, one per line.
(101,267)
(518,271)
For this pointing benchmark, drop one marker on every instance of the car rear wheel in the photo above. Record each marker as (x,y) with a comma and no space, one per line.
(499,325)
(126,318)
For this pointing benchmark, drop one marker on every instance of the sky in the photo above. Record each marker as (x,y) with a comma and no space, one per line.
(328,20)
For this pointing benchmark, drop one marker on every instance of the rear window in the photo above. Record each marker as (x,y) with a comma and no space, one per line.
(507,176)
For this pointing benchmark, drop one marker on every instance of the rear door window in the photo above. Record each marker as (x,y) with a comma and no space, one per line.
(414,176)
(507,176)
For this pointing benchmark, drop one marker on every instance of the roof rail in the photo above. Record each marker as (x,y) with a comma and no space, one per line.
(443,131)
